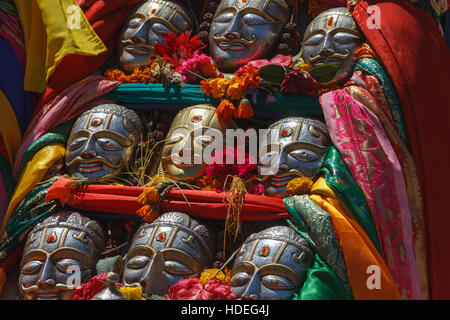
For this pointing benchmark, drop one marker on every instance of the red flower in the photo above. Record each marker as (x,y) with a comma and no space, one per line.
(280,60)
(193,289)
(174,49)
(299,82)
(88,290)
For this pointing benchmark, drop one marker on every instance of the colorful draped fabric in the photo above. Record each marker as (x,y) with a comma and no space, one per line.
(64,30)
(357,249)
(107,19)
(362,142)
(30,211)
(339,179)
(11,31)
(419,65)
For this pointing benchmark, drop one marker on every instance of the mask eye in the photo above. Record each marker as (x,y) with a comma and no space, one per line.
(343,38)
(135,22)
(304,155)
(32,267)
(77,143)
(160,30)
(64,265)
(109,144)
(177,268)
(315,40)
(254,19)
(224,17)
(239,279)
(138,262)
(277,283)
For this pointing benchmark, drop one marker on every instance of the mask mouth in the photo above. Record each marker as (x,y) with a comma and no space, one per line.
(234,44)
(93,165)
(141,49)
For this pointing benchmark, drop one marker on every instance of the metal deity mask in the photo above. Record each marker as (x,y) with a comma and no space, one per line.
(332,38)
(193,129)
(55,251)
(246,30)
(186,246)
(102,142)
(271,265)
(148,24)
(296,146)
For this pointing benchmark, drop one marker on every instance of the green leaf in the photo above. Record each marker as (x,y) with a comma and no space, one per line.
(273,73)
(324,73)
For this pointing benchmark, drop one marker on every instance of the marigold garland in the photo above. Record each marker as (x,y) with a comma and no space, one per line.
(132,292)
(298,186)
(208,274)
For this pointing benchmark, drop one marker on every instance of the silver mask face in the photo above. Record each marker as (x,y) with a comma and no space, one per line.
(271,265)
(296,146)
(55,250)
(193,129)
(243,31)
(147,25)
(102,142)
(332,38)
(186,246)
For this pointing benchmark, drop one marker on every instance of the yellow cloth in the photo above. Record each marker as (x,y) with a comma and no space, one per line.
(33,173)
(357,248)
(52,30)
(9,128)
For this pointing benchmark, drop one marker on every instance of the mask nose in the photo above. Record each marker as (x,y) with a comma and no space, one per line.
(89,150)
(253,290)
(46,280)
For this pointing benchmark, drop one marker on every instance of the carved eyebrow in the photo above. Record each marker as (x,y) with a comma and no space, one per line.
(112,135)
(248,10)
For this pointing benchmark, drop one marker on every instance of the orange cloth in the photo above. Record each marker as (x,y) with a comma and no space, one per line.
(357,248)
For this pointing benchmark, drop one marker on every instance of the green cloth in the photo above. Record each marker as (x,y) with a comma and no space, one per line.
(375,69)
(316,223)
(156,93)
(322,284)
(339,179)
(59,134)
(31,210)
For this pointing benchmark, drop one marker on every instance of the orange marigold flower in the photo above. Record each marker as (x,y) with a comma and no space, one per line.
(208,275)
(225,110)
(297,186)
(147,213)
(150,194)
(244,110)
(209,70)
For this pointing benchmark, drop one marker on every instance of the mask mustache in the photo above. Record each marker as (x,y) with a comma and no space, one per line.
(230,42)
(99,159)
(336,55)
(129,42)
(58,288)
(290,173)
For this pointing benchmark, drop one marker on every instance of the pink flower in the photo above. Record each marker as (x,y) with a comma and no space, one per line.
(280,60)
(200,64)
(193,289)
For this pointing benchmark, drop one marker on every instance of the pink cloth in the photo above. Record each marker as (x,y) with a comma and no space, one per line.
(11,31)
(360,138)
(64,107)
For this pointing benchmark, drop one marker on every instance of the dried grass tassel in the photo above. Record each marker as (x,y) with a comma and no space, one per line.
(237,192)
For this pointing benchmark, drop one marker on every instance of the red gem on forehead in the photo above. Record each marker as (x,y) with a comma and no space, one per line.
(161,237)
(330,21)
(153,10)
(96,122)
(196,118)
(244,1)
(264,251)
(51,238)
(286,132)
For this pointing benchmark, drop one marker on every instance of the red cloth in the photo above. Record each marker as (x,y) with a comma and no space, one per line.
(107,19)
(416,57)
(202,204)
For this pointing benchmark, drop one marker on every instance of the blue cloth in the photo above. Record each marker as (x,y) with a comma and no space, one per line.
(155,95)
(11,83)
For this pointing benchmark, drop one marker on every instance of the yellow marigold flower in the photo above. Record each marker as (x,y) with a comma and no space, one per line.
(150,194)
(297,186)
(132,292)
(219,87)
(208,274)
(235,90)
(303,66)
